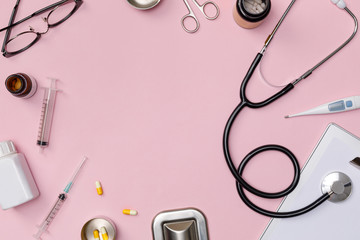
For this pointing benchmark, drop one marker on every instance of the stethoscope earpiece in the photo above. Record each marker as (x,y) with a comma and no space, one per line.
(340,3)
(338,185)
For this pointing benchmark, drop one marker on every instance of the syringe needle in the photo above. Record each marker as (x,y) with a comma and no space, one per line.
(59,201)
(69,185)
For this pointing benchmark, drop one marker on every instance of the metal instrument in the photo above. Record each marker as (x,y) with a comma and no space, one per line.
(241,183)
(192,15)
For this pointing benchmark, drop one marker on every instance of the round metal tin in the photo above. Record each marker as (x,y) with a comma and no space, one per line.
(87,231)
(143,4)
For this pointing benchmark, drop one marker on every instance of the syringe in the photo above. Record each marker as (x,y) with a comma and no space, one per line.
(47,112)
(59,202)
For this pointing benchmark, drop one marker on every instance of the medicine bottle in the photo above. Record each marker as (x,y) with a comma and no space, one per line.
(251,13)
(21,85)
(16,182)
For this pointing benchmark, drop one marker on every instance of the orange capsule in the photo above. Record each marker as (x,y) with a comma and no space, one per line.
(104,233)
(96,235)
(98,188)
(130,212)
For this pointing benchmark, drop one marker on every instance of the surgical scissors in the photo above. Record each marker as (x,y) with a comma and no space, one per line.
(192,15)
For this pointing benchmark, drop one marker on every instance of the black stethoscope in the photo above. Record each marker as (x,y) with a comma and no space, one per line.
(245,102)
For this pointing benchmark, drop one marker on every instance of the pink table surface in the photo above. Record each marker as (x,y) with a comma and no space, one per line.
(147,103)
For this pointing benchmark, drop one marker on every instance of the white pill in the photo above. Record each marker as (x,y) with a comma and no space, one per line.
(249,2)
(263,5)
(259,8)
(247,5)
(249,8)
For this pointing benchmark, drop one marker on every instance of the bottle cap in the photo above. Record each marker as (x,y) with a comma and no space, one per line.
(6,148)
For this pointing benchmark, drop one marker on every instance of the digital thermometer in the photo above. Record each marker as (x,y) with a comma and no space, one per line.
(341,105)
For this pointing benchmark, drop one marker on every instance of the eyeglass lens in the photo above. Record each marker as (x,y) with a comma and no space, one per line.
(60,13)
(25,39)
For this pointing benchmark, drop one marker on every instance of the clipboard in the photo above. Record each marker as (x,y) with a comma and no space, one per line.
(335,149)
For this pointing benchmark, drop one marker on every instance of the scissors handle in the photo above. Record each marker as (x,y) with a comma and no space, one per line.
(189,15)
(203,6)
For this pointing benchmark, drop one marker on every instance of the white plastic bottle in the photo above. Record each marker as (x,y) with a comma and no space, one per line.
(16,182)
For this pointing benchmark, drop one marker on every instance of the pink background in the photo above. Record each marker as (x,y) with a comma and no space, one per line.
(147,103)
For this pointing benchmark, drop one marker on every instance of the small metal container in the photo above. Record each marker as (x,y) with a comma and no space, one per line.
(87,231)
(180,224)
(143,4)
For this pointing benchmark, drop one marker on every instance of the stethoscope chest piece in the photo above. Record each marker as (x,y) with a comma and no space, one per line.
(337,183)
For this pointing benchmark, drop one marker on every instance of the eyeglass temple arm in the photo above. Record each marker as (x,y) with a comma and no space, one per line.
(32,15)
(8,30)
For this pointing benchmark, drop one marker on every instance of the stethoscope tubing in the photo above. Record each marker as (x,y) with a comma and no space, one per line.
(237,173)
(241,184)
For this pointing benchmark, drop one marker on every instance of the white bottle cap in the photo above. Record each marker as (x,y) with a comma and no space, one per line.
(6,148)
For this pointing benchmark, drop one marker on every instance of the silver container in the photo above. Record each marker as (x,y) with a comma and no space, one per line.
(87,231)
(143,4)
(180,224)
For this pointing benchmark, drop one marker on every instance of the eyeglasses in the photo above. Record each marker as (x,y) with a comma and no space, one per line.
(59,13)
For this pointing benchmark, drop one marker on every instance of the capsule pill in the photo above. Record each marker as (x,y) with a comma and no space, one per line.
(104,233)
(130,212)
(259,8)
(254,6)
(98,188)
(96,235)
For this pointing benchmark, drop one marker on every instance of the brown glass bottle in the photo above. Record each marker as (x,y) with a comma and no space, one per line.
(21,85)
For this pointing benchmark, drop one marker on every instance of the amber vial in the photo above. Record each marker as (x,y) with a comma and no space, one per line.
(246,19)
(21,85)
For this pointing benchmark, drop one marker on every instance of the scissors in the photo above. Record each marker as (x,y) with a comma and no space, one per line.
(192,15)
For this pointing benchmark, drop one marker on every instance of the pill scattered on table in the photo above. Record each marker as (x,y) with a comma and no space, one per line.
(98,188)
(130,212)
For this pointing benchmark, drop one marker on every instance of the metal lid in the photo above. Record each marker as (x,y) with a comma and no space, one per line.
(6,148)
